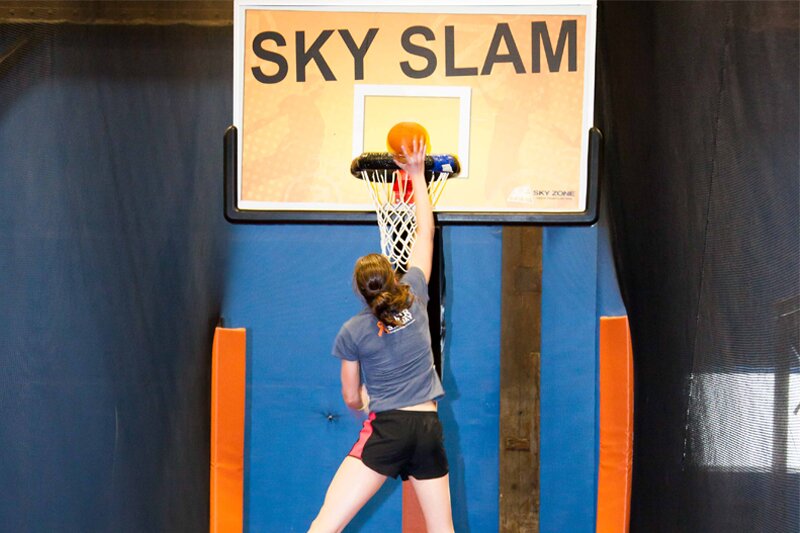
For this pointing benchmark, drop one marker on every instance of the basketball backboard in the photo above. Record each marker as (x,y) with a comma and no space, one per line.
(508,88)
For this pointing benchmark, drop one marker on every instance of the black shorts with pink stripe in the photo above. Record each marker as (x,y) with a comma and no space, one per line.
(403,443)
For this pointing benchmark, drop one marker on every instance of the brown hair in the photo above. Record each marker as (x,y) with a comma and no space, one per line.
(375,280)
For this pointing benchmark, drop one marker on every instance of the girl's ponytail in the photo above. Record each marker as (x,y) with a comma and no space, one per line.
(376,281)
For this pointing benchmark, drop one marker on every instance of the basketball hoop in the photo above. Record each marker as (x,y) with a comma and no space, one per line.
(392,196)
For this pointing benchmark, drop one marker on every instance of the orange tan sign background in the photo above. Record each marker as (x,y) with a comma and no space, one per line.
(506,97)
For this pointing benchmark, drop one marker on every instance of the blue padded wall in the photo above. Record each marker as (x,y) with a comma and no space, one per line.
(472,374)
(290,286)
(568,386)
(579,285)
(609,298)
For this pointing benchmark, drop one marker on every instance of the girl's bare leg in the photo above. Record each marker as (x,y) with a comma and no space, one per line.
(434,499)
(352,486)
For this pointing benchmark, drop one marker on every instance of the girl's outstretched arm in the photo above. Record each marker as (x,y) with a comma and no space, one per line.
(414,166)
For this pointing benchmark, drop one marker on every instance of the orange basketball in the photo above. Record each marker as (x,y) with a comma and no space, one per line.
(403,134)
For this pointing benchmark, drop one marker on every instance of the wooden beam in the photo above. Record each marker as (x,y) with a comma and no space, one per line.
(109,12)
(519,379)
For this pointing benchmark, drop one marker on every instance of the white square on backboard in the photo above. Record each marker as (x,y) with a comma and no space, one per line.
(362,91)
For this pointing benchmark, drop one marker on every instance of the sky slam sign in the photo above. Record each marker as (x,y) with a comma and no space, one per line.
(502,49)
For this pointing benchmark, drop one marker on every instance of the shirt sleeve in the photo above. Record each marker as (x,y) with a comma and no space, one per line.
(343,345)
(415,279)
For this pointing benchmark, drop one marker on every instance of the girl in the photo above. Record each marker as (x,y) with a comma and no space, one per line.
(389,343)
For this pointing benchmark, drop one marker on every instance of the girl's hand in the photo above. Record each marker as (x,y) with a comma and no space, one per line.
(414,160)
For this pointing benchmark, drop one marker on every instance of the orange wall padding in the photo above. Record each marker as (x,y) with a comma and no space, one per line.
(616,426)
(228,369)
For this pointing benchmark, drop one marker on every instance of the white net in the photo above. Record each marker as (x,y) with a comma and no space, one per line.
(392,197)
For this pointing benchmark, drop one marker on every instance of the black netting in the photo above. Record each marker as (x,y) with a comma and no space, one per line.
(699,104)
(111,269)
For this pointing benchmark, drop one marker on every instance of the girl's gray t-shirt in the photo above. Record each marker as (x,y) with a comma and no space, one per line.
(396,362)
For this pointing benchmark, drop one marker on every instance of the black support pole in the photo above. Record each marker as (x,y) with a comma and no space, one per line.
(436,292)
